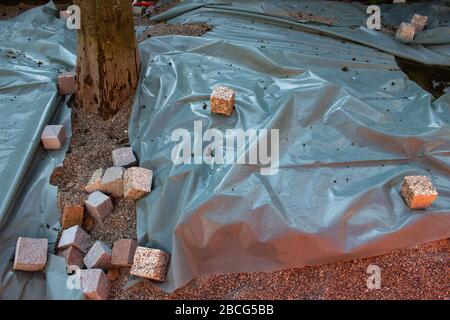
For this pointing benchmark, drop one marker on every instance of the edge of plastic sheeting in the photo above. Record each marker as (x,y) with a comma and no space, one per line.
(413,50)
(34,214)
(43,78)
(30,209)
(26,162)
(226,221)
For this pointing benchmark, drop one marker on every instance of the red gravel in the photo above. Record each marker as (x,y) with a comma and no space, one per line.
(420,272)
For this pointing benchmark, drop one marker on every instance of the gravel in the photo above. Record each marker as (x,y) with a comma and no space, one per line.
(420,272)
(195,29)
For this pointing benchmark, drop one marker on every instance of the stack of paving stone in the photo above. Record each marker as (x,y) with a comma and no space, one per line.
(407,31)
(121,180)
(124,179)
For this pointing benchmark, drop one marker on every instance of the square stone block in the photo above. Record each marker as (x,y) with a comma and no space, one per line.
(418,192)
(112,181)
(94,284)
(123,157)
(95,183)
(74,237)
(123,252)
(137,182)
(222,100)
(419,22)
(406,32)
(150,264)
(99,257)
(53,137)
(67,83)
(72,215)
(73,256)
(99,206)
(31,254)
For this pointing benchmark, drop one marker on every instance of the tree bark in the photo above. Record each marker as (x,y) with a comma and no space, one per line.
(107,64)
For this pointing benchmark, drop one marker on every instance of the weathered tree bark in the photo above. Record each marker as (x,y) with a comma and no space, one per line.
(107,66)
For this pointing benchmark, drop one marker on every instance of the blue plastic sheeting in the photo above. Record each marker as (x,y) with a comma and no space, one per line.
(33,48)
(348,21)
(351,127)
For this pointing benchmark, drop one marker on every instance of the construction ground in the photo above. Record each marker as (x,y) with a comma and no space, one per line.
(385,104)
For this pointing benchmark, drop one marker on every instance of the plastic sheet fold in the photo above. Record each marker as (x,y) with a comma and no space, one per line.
(34,47)
(351,126)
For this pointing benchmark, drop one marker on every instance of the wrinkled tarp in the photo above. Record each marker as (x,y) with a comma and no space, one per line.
(351,127)
(348,21)
(34,47)
(230,218)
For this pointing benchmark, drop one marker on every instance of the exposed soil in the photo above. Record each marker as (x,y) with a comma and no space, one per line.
(164,7)
(434,79)
(164,29)
(10,11)
(389,29)
(307,16)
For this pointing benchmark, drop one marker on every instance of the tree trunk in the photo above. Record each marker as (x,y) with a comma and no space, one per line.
(107,66)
